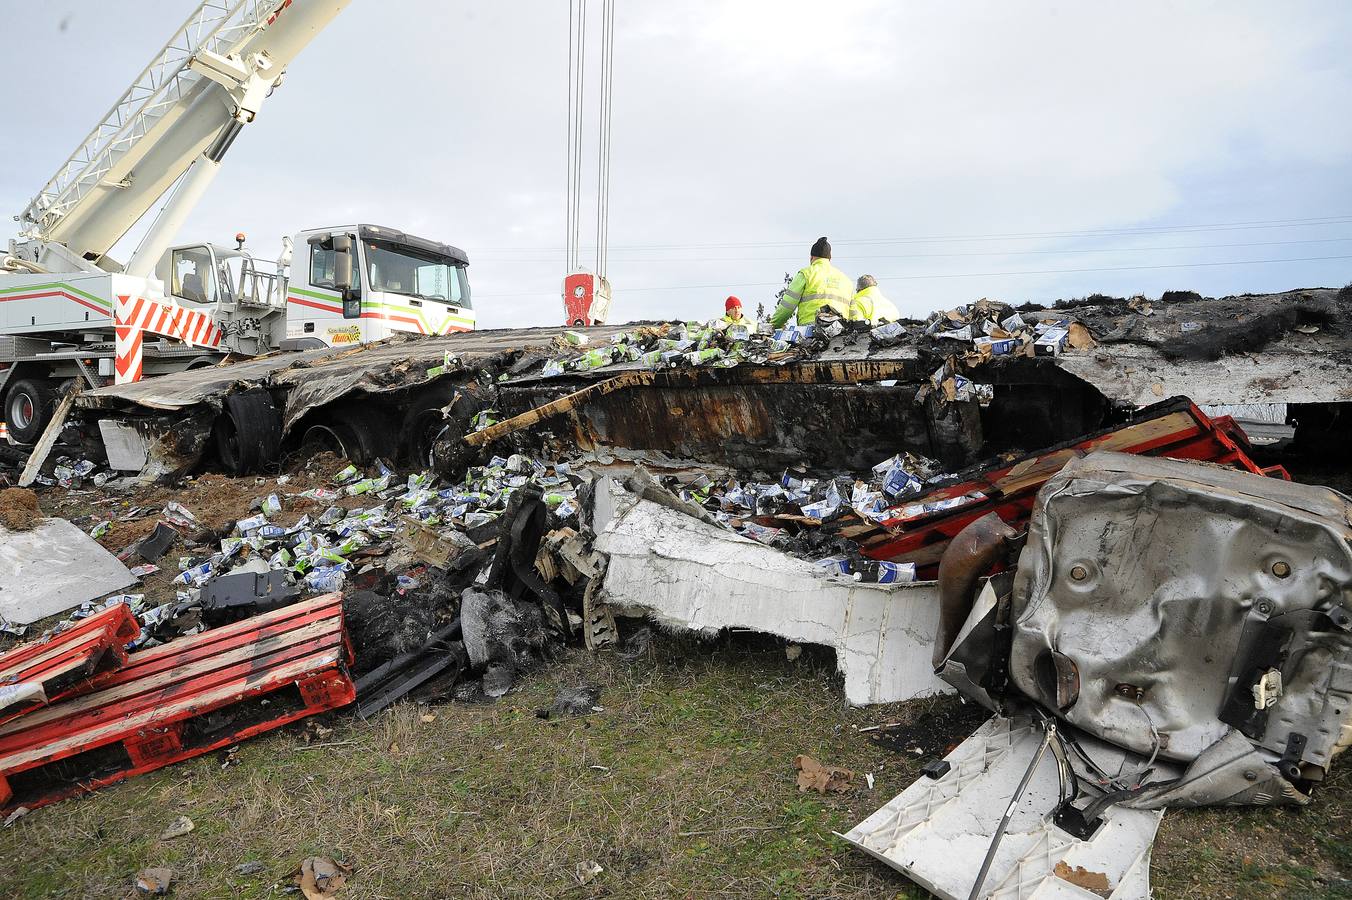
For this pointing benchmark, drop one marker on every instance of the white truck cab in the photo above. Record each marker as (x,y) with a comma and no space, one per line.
(347,284)
(361,283)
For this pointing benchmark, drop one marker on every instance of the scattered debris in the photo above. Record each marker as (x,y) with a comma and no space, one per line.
(155,881)
(587,870)
(252,867)
(177,828)
(813,776)
(18,813)
(573,701)
(320,877)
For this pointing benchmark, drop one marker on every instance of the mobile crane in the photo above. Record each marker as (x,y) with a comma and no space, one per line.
(70,312)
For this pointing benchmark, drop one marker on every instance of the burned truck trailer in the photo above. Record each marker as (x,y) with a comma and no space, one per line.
(840,401)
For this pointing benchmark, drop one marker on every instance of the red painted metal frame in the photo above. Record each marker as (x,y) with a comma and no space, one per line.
(923,538)
(143,708)
(62,662)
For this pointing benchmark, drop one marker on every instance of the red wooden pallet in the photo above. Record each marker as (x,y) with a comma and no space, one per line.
(61,662)
(180,700)
(1177,429)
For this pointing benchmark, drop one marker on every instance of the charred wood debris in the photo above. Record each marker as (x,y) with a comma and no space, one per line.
(466,553)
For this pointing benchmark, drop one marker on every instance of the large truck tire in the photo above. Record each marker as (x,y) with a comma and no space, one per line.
(28,408)
(248,432)
(423,426)
(363,432)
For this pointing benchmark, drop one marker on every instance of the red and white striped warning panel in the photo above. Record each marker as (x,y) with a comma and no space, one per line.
(133,316)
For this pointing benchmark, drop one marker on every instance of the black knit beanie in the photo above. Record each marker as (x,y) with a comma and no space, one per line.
(822,248)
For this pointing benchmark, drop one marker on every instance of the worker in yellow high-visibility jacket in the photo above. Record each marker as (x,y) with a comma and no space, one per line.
(869,304)
(817,285)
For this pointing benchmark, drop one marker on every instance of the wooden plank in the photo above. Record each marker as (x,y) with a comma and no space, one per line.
(163,714)
(1010,491)
(145,707)
(156,688)
(558,407)
(62,662)
(324,685)
(43,448)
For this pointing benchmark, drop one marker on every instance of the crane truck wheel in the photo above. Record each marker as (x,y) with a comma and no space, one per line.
(28,408)
(248,432)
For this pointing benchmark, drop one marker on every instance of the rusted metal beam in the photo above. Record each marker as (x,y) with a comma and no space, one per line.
(807,372)
(557,407)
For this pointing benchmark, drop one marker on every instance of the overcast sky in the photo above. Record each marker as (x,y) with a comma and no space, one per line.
(937,145)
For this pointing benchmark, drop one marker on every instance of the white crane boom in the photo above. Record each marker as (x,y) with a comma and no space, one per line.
(180,114)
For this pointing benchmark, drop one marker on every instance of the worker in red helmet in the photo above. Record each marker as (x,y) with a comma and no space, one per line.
(732,312)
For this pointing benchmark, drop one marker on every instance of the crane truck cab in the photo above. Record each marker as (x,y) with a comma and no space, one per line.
(361,283)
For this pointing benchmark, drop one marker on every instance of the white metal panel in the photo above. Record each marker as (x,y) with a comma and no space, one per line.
(693,575)
(53,568)
(937,831)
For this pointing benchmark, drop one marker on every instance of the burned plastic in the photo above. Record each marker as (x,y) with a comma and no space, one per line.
(394,679)
(229,598)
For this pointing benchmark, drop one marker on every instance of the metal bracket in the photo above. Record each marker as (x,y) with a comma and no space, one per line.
(91,377)
(1289,764)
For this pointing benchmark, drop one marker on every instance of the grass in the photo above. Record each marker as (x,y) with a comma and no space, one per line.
(682,787)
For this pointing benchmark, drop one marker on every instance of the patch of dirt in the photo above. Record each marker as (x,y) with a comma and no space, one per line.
(19,510)
(933,732)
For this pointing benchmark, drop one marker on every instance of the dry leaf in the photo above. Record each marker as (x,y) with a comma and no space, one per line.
(427,718)
(321,878)
(394,748)
(812,775)
(154,881)
(177,828)
(1157,389)
(1082,877)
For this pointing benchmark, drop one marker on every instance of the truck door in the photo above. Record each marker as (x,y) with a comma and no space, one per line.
(193,274)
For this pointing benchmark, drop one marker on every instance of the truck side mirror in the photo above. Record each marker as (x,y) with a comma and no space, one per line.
(342,263)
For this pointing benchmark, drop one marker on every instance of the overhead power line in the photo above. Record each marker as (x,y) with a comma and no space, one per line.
(1025,235)
(944,275)
(685,260)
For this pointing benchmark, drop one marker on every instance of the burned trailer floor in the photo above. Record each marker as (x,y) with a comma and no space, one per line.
(371,399)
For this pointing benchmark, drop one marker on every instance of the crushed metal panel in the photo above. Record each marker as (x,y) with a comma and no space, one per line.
(328,372)
(937,831)
(1133,563)
(53,568)
(690,574)
(127,448)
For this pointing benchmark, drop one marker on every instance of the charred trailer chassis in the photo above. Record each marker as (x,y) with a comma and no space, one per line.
(842,415)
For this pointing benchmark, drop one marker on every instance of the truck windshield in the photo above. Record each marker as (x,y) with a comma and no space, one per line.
(414,273)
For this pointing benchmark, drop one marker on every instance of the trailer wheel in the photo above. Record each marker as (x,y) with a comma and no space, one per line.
(248,432)
(365,434)
(28,408)
(422,428)
(329,437)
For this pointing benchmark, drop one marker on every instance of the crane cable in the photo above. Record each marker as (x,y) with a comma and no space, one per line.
(577,67)
(603,139)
